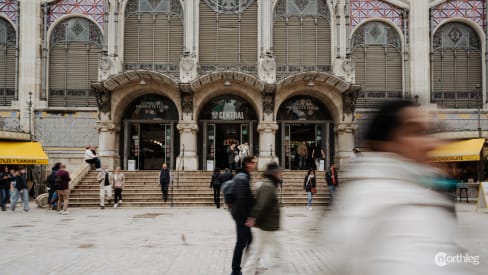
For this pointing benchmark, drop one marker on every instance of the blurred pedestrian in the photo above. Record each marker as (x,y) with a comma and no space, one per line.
(50,183)
(5,180)
(164,180)
(62,176)
(265,217)
(20,191)
(332,180)
(241,210)
(216,183)
(119,182)
(386,219)
(310,185)
(105,180)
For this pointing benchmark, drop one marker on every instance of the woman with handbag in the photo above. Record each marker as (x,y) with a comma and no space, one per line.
(309,185)
(119,181)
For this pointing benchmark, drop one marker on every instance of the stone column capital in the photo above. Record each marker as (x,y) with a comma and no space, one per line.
(187,127)
(346,128)
(107,126)
(267,127)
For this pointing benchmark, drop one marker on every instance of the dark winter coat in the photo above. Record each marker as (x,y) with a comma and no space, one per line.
(241,208)
(311,183)
(267,208)
(164,176)
(328,178)
(216,180)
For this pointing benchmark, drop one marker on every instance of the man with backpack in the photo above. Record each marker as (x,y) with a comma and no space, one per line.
(50,184)
(241,206)
(61,183)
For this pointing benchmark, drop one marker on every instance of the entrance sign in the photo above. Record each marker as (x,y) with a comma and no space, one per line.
(482,196)
(210,165)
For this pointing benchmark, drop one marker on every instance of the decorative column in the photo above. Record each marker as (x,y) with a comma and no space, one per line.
(266,61)
(267,147)
(345,142)
(107,142)
(188,159)
(29,77)
(189,61)
(420,51)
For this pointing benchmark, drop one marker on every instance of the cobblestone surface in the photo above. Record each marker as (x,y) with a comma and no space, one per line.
(169,241)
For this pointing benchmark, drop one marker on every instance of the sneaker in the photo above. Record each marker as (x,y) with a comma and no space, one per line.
(65,213)
(102,207)
(120,202)
(116,205)
(310,208)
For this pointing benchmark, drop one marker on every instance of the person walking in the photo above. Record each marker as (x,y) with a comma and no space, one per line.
(164,180)
(119,182)
(241,210)
(5,180)
(62,176)
(105,180)
(391,216)
(20,191)
(216,183)
(51,183)
(265,217)
(332,180)
(309,185)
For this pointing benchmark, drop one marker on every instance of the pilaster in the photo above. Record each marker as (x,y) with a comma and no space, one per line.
(345,142)
(419,51)
(267,147)
(107,141)
(188,158)
(29,77)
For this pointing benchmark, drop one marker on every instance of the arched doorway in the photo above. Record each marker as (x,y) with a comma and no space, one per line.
(225,120)
(149,137)
(305,136)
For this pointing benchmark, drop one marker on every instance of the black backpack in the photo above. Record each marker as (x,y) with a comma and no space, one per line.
(58,182)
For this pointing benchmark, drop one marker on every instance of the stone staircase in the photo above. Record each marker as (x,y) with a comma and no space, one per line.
(191,190)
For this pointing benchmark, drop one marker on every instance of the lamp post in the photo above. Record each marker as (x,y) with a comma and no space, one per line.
(29,104)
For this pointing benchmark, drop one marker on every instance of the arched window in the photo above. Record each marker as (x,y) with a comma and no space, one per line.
(7,63)
(75,48)
(301,37)
(153,36)
(456,67)
(376,51)
(228,35)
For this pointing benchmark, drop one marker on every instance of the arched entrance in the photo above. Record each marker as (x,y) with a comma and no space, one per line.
(149,137)
(305,136)
(225,120)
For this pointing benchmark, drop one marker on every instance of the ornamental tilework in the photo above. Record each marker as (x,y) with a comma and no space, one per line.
(91,8)
(365,9)
(8,8)
(470,9)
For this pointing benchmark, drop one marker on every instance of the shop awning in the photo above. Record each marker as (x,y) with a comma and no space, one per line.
(465,150)
(17,152)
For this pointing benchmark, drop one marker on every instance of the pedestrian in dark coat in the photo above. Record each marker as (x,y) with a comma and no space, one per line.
(216,183)
(164,180)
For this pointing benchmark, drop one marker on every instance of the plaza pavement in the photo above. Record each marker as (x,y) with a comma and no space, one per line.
(176,241)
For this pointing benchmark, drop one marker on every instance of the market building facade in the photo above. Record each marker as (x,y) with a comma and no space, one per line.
(177,81)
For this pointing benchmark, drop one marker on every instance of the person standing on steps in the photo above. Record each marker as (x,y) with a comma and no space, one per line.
(216,183)
(241,210)
(309,185)
(164,180)
(119,181)
(105,179)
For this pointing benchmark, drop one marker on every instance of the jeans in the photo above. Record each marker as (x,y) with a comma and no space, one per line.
(95,161)
(15,197)
(216,189)
(332,189)
(106,190)
(164,190)
(263,239)
(309,199)
(244,239)
(118,194)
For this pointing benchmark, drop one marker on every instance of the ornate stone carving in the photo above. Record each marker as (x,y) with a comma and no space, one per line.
(187,127)
(268,98)
(346,128)
(104,98)
(186,98)
(228,6)
(349,99)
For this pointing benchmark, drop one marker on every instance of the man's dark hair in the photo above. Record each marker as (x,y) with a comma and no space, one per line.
(247,159)
(387,121)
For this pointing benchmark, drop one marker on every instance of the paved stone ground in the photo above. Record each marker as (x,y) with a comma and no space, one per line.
(183,241)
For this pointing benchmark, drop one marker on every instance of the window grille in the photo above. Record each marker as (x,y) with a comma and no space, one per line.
(7,63)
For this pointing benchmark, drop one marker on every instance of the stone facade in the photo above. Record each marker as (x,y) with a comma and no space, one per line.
(117,88)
